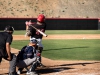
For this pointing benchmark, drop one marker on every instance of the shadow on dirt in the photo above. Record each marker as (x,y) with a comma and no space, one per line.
(52,70)
(83,64)
(64,48)
(59,68)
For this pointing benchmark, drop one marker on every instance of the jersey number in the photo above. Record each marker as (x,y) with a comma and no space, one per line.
(40,30)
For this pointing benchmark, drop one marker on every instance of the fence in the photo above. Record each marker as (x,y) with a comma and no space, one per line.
(54,23)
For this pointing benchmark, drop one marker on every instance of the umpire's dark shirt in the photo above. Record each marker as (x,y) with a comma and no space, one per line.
(5,37)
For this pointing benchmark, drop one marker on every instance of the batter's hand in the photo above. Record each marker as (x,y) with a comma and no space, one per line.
(28,23)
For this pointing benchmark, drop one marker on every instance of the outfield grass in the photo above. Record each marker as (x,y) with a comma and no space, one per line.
(22,32)
(73,31)
(67,49)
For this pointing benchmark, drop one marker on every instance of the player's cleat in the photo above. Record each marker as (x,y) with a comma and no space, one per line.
(32,73)
(41,65)
(18,72)
(28,73)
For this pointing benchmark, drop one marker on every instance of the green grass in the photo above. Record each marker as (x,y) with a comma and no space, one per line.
(73,31)
(67,49)
(22,32)
(19,32)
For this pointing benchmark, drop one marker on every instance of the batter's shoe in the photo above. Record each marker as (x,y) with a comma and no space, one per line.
(40,65)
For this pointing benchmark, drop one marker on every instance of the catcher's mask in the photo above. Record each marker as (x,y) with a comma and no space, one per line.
(33,41)
(9,29)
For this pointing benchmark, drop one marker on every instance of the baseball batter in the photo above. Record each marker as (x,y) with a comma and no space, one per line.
(41,25)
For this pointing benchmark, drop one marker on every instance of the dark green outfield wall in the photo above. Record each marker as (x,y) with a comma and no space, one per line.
(72,24)
(53,24)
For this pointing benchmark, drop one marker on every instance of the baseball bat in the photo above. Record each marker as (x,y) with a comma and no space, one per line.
(39,31)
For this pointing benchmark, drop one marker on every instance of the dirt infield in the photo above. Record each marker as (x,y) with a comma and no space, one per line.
(61,67)
(68,36)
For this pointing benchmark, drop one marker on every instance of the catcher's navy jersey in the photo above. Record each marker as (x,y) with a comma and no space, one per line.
(29,52)
(36,34)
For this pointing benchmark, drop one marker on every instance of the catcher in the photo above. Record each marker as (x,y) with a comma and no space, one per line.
(35,35)
(28,56)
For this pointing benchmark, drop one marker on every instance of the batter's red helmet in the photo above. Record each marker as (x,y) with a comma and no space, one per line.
(41,18)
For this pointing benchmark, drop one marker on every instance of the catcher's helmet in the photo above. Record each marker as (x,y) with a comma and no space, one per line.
(41,18)
(33,41)
(9,28)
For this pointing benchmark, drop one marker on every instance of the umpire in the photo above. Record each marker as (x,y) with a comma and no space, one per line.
(5,49)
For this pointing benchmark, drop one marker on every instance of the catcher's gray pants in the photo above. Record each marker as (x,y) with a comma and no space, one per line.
(26,62)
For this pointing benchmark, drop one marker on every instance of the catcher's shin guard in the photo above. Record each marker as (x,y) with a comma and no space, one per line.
(38,55)
(33,66)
